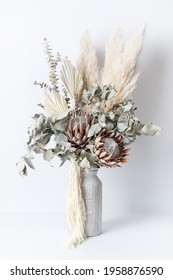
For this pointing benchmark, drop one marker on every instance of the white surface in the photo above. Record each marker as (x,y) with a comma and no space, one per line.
(40,236)
(145,184)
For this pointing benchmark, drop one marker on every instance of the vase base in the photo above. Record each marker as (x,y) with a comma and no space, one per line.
(93,231)
(92,235)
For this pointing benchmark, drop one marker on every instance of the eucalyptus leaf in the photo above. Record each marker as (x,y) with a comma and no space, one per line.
(111,115)
(128,107)
(112,94)
(63,160)
(95,110)
(151,129)
(29,162)
(36,149)
(101,118)
(86,96)
(62,140)
(21,166)
(39,121)
(122,126)
(36,116)
(85,163)
(45,139)
(91,158)
(94,129)
(29,140)
(48,155)
(109,126)
(89,147)
(102,104)
(104,92)
(60,124)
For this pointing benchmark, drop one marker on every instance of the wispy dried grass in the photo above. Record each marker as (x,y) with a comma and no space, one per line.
(87,62)
(121,65)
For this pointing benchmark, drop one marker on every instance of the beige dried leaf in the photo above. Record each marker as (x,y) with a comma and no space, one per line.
(71,79)
(54,103)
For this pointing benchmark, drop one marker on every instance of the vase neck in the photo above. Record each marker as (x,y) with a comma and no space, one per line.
(90,172)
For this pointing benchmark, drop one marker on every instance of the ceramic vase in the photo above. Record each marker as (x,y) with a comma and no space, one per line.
(92,195)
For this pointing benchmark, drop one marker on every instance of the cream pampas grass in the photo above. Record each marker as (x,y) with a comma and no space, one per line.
(113,58)
(75,207)
(87,62)
(121,65)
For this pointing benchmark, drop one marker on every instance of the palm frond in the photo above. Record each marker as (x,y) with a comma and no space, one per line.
(54,103)
(71,79)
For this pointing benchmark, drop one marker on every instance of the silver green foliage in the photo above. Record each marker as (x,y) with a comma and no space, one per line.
(46,131)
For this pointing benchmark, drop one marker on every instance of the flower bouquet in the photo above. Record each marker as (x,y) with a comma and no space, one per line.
(88,116)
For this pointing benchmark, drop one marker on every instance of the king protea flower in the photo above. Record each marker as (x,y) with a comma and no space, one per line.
(109,149)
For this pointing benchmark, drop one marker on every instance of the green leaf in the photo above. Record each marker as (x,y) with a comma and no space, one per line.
(91,158)
(60,124)
(89,147)
(112,94)
(86,96)
(102,104)
(62,140)
(109,126)
(128,106)
(63,160)
(122,126)
(36,116)
(111,115)
(29,162)
(85,163)
(102,118)
(48,155)
(151,129)
(21,166)
(96,109)
(45,138)
(94,129)
(36,149)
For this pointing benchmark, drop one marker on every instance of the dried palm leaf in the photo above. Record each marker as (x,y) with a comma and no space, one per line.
(54,103)
(71,79)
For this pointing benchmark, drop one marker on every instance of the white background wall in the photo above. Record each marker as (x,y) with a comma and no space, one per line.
(145,184)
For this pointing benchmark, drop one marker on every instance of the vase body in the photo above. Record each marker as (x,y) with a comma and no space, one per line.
(92,195)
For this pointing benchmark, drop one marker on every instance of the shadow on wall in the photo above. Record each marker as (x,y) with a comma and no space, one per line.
(138,181)
(148,96)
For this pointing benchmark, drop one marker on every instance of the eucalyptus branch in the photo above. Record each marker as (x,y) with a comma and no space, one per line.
(53,62)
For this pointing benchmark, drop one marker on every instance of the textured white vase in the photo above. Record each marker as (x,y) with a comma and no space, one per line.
(92,195)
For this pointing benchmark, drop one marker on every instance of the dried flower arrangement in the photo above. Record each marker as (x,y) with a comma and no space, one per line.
(90,115)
